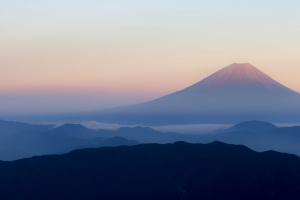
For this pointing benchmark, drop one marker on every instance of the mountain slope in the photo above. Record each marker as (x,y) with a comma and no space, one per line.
(260,136)
(255,126)
(239,92)
(62,139)
(172,171)
(240,77)
(8,127)
(72,130)
(112,142)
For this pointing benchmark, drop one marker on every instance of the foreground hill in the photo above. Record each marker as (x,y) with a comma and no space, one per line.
(152,171)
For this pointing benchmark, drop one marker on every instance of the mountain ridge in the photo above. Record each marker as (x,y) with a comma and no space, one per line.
(238,92)
(256,126)
(152,171)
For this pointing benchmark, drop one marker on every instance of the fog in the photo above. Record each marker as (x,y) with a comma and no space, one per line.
(196,129)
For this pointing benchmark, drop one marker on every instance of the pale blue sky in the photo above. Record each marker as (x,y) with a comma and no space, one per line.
(132,51)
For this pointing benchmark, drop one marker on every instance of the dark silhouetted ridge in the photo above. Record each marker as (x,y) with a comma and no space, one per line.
(151,171)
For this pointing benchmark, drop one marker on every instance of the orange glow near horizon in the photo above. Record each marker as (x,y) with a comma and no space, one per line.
(141,50)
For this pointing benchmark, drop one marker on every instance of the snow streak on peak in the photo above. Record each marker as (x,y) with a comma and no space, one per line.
(239,77)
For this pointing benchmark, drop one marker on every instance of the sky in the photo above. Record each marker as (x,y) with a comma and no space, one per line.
(93,54)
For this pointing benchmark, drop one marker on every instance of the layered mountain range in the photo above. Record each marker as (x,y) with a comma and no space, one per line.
(21,140)
(239,92)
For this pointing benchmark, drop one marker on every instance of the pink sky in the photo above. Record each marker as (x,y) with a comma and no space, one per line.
(92,55)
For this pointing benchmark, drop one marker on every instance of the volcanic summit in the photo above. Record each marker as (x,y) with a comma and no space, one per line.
(238,92)
(243,77)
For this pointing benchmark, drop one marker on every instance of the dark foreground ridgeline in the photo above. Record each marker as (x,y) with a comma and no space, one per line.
(152,171)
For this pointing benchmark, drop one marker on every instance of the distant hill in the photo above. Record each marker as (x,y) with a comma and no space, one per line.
(117,141)
(7,127)
(291,131)
(62,139)
(13,154)
(260,136)
(72,130)
(152,171)
(32,144)
(112,142)
(255,126)
(141,134)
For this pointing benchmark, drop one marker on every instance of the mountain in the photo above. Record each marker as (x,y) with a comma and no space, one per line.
(152,171)
(285,139)
(240,78)
(141,134)
(112,142)
(62,139)
(72,130)
(257,135)
(239,92)
(28,144)
(117,141)
(38,143)
(8,127)
(295,130)
(13,154)
(255,126)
